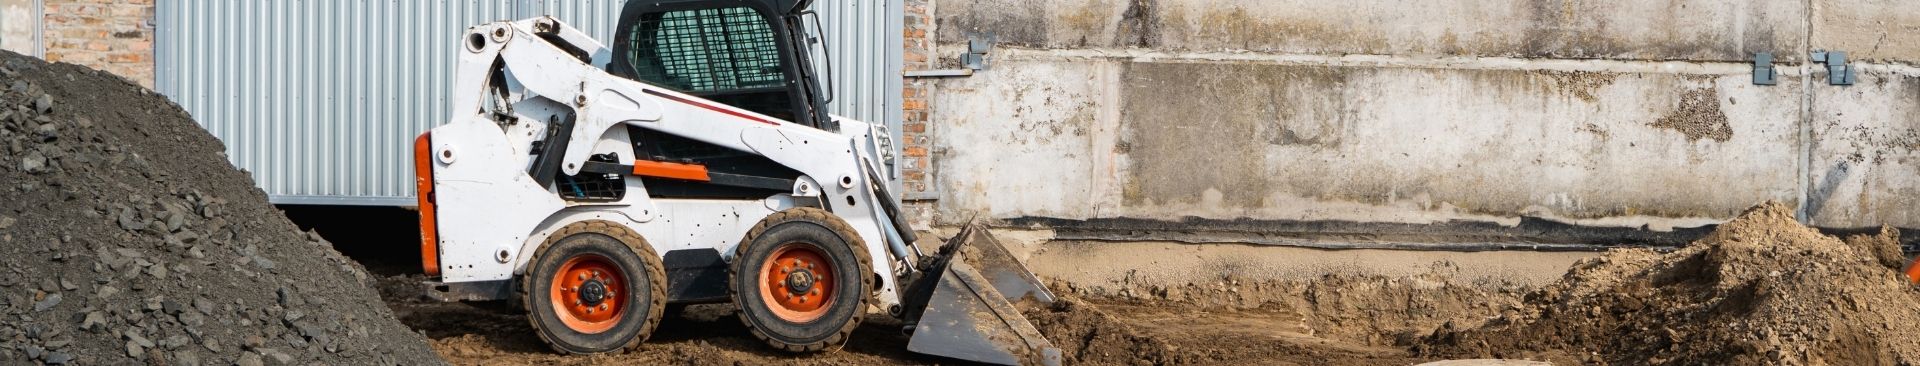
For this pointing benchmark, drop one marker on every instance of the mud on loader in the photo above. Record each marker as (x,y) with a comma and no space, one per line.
(692,161)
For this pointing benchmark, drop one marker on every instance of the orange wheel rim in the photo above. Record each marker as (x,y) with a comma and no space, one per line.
(797,283)
(588,292)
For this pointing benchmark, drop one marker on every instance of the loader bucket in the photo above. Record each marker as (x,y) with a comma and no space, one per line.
(963,305)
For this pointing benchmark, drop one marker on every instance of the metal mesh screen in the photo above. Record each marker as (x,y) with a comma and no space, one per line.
(706,50)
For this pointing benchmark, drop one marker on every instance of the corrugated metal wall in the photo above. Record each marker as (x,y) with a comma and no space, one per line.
(321,99)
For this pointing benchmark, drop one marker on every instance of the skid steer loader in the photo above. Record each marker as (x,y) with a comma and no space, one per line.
(693,161)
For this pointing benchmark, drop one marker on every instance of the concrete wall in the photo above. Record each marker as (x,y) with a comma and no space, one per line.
(1598,113)
(20,26)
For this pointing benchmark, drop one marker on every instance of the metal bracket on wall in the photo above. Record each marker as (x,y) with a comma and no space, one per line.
(1763,72)
(976,56)
(1838,71)
(974,60)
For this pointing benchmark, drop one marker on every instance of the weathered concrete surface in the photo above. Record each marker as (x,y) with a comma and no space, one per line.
(1865,170)
(1620,114)
(1701,30)
(1080,138)
(1877,30)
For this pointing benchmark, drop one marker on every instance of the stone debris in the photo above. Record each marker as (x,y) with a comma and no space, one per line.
(131,240)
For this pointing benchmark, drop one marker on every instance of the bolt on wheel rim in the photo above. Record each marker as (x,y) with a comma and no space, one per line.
(797,283)
(586,294)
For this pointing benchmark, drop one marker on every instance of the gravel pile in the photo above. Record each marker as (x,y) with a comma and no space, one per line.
(126,237)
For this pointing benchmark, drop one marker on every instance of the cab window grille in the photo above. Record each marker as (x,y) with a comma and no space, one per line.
(709,50)
(593,186)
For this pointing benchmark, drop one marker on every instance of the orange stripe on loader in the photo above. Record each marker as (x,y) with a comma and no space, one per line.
(660,169)
(1913,272)
(429,227)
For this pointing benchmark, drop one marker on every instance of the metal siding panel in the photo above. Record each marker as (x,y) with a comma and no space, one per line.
(321,99)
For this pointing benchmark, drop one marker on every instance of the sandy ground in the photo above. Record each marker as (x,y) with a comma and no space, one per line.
(1338,320)
(469,334)
(1760,290)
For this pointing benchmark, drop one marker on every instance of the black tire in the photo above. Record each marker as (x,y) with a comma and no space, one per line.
(850,270)
(598,245)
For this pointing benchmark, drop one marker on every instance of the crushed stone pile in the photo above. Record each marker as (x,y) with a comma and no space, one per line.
(1761,289)
(126,238)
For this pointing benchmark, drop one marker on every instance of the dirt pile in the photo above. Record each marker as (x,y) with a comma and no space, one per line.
(1086,335)
(1761,289)
(126,237)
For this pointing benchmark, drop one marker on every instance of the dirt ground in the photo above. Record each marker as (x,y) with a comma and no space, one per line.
(1761,289)
(1376,313)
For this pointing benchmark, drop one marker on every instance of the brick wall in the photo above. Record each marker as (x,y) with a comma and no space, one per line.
(917,159)
(918,55)
(111,35)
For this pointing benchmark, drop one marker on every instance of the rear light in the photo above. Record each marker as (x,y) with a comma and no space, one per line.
(423,181)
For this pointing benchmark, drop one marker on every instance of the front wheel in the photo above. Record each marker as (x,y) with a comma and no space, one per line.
(800,279)
(594,287)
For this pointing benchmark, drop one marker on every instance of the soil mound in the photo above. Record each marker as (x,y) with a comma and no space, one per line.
(126,237)
(1088,336)
(1761,289)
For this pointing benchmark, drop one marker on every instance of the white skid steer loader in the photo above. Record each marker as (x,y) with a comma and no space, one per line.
(691,162)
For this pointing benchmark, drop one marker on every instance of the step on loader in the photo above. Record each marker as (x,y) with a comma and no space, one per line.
(691,161)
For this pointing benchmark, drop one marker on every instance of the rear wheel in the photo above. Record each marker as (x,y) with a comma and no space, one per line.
(594,287)
(801,279)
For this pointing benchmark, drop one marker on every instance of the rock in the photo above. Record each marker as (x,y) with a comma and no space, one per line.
(157,271)
(170,308)
(192,319)
(135,351)
(48,132)
(293,315)
(187,358)
(47,303)
(44,104)
(130,220)
(204,306)
(94,322)
(295,340)
(33,163)
(254,341)
(279,358)
(59,358)
(136,338)
(6,222)
(263,262)
(174,342)
(250,359)
(106,292)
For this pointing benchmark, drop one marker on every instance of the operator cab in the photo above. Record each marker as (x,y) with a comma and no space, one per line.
(750,54)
